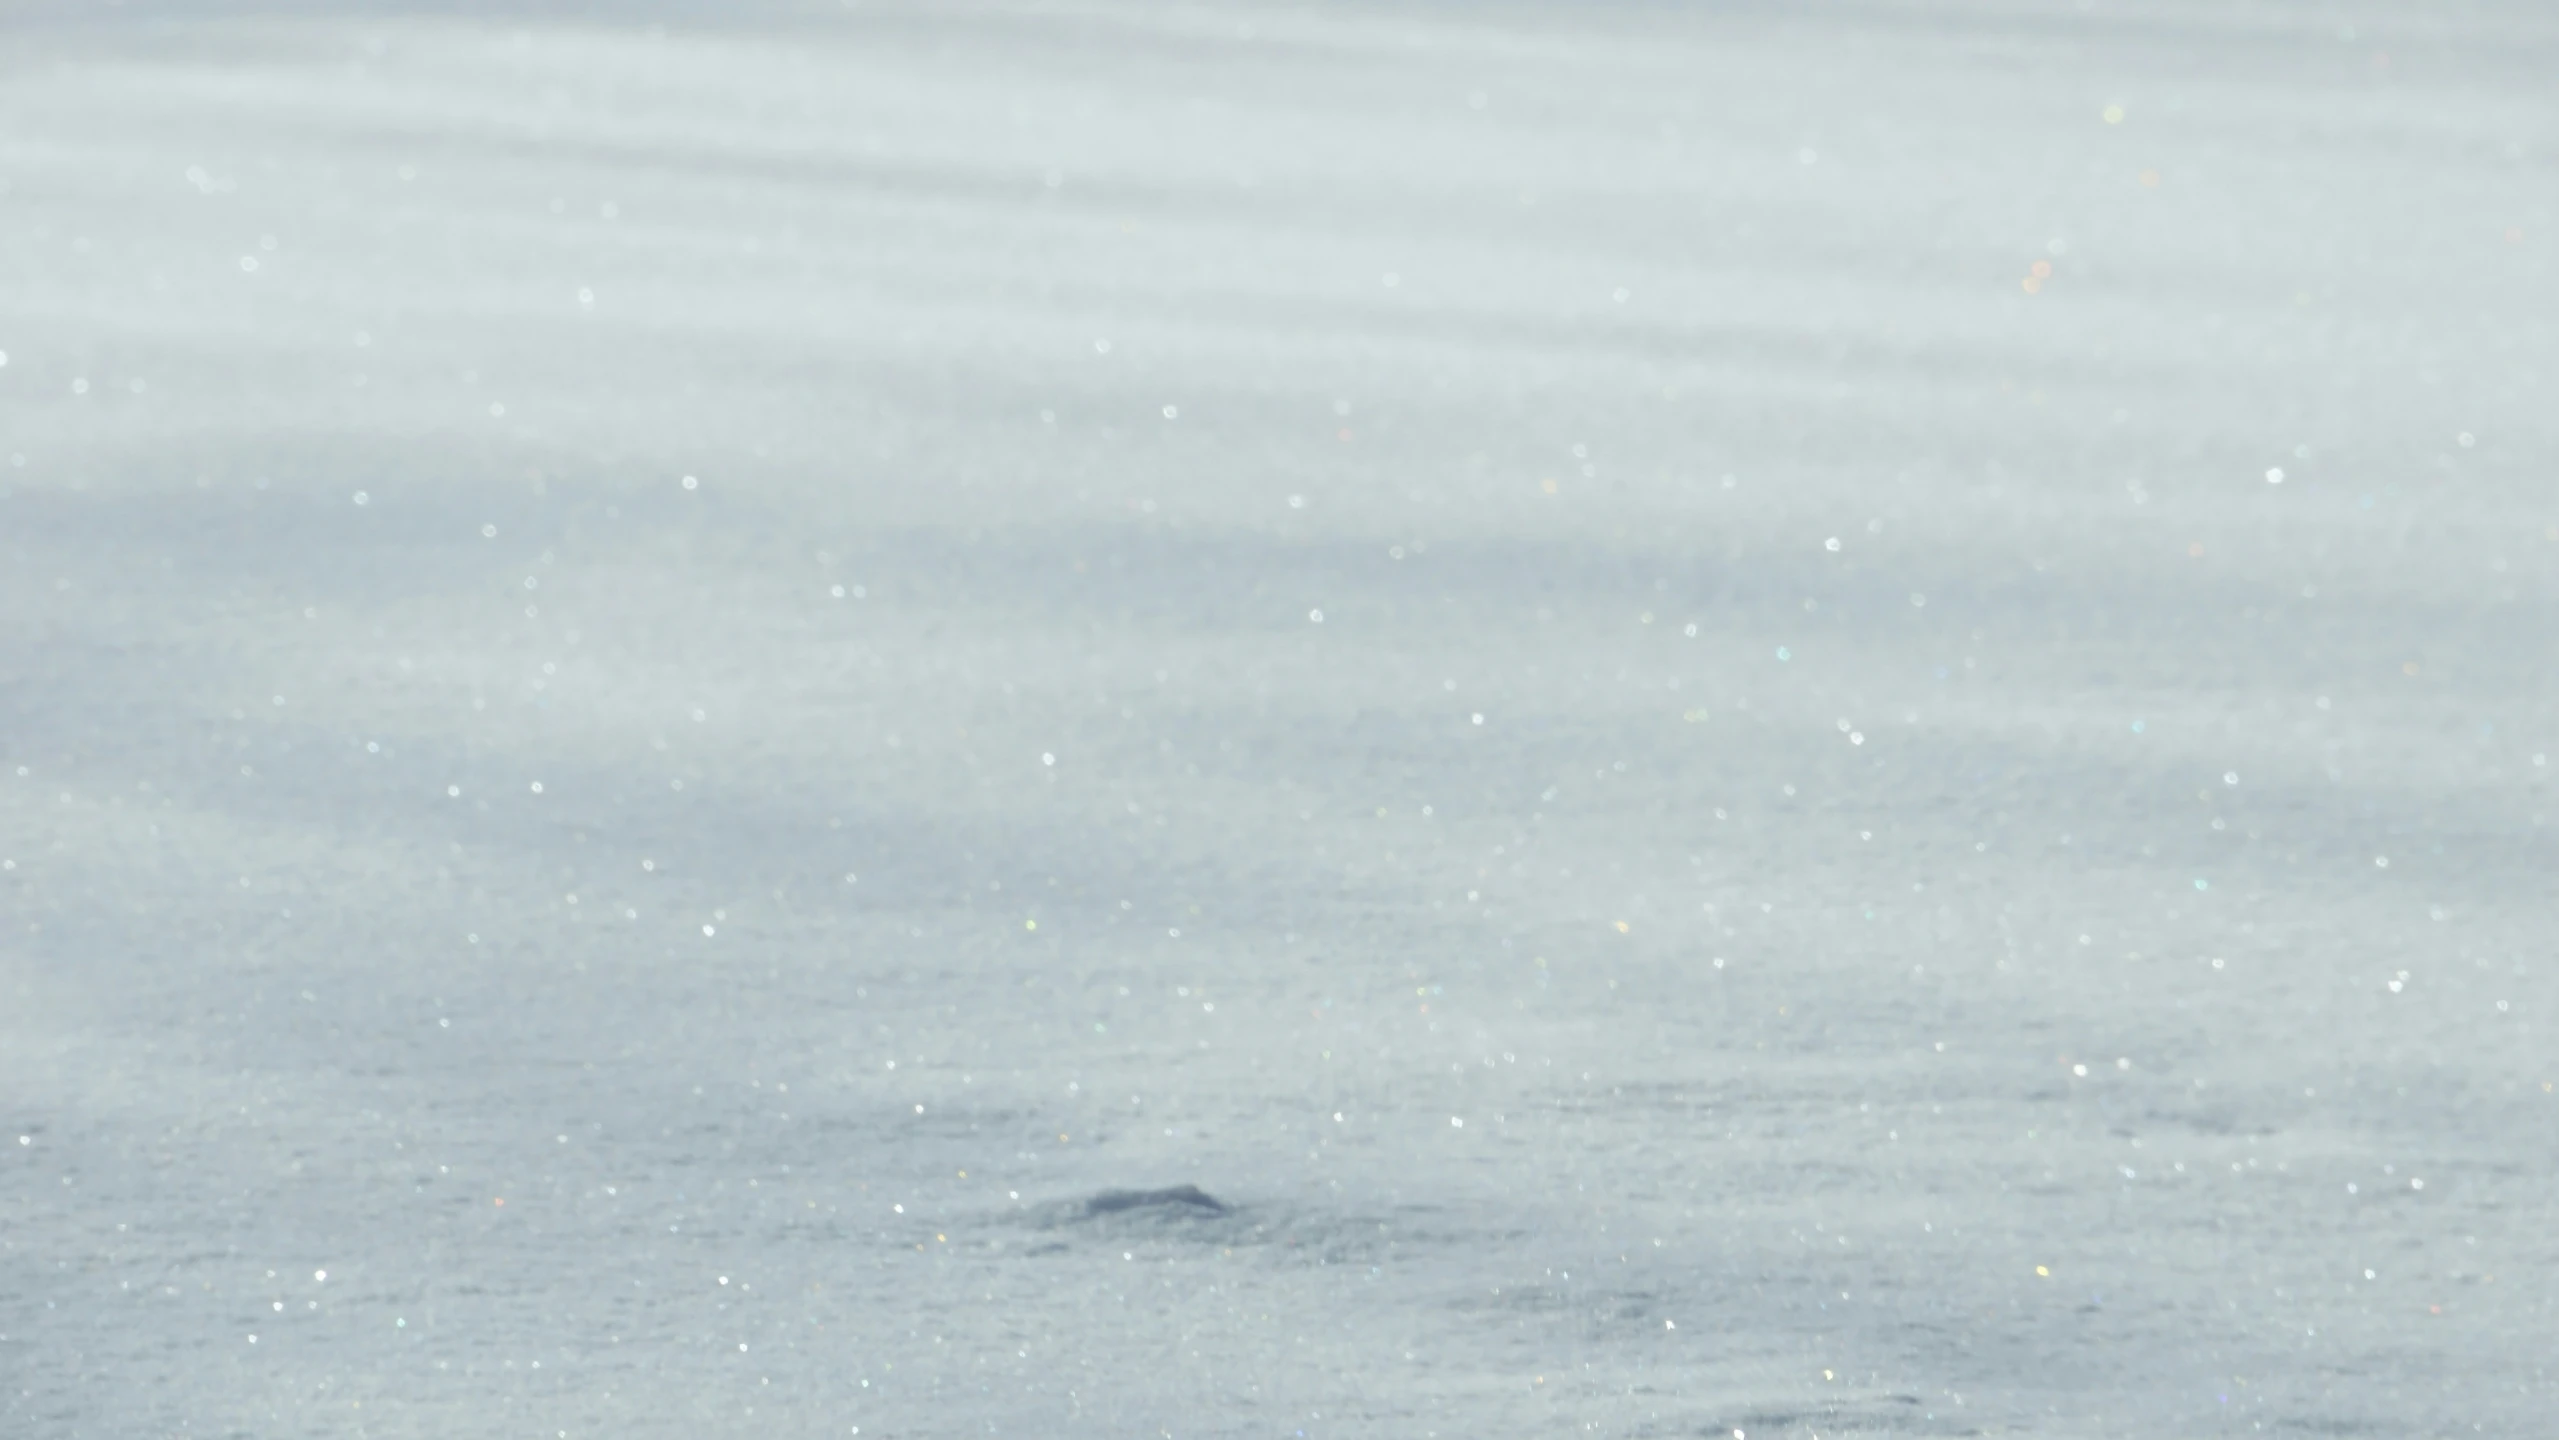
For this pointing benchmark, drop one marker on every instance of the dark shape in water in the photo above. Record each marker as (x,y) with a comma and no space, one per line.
(1189,1196)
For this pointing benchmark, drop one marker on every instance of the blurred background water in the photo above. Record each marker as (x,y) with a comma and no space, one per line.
(1749,719)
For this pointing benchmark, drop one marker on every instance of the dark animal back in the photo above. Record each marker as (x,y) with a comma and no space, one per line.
(1186,1197)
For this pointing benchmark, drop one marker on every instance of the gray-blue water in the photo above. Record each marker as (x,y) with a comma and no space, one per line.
(1747,720)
